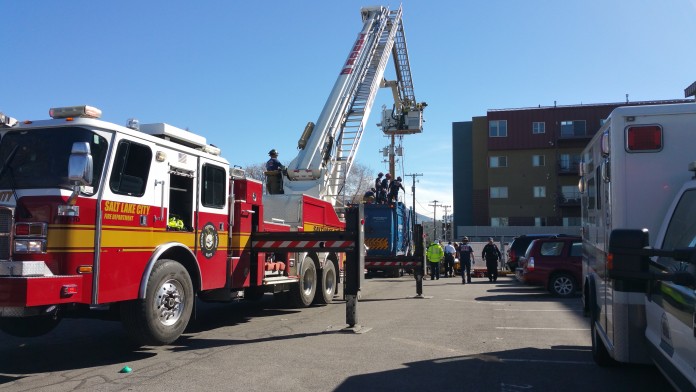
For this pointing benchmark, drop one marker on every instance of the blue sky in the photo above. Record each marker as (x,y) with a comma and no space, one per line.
(249,75)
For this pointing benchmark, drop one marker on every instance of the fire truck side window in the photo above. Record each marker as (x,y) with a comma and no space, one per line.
(181,200)
(213,194)
(131,168)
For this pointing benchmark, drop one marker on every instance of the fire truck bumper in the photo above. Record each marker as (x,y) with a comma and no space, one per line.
(20,291)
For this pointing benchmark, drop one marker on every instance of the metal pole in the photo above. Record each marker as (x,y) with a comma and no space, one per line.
(434,205)
(413,191)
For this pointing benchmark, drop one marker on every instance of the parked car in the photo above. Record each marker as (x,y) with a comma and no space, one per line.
(555,263)
(519,246)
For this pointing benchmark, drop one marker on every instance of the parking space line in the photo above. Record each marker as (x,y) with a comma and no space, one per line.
(539,310)
(546,329)
(547,361)
(475,302)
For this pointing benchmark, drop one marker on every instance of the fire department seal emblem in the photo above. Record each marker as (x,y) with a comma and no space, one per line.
(208,240)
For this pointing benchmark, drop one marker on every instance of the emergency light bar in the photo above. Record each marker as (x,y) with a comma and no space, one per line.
(75,111)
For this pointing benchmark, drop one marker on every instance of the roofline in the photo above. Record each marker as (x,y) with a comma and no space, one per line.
(628,103)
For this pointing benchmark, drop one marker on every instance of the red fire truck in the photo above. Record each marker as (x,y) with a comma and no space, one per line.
(137,220)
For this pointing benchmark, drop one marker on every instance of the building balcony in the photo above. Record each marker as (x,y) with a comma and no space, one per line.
(569,200)
(565,168)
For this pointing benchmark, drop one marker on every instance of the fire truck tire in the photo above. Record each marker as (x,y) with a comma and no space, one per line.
(28,327)
(162,316)
(302,293)
(327,284)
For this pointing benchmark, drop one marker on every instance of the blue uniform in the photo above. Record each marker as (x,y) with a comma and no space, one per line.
(273,164)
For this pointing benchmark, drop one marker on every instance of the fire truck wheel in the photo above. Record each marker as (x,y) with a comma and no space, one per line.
(327,284)
(162,316)
(28,327)
(302,293)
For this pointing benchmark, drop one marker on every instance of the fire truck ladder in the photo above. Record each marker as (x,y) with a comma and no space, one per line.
(363,96)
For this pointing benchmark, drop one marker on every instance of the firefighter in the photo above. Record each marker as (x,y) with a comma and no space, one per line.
(466,259)
(394,187)
(378,188)
(369,196)
(491,254)
(384,188)
(274,174)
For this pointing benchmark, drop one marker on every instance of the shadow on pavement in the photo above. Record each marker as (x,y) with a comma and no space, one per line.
(560,368)
(84,343)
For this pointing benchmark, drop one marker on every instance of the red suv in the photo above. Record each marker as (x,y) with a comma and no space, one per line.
(555,263)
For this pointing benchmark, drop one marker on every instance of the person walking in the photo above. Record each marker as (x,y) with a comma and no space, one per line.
(466,259)
(491,254)
(434,255)
(450,252)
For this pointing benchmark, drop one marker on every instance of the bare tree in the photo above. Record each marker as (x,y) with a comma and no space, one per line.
(256,170)
(359,180)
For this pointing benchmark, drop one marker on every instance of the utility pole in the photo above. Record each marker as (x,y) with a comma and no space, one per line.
(413,192)
(445,232)
(434,205)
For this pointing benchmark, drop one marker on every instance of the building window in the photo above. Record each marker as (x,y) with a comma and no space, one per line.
(569,163)
(498,161)
(539,191)
(571,221)
(574,128)
(538,127)
(538,160)
(497,128)
(497,222)
(499,192)
(539,221)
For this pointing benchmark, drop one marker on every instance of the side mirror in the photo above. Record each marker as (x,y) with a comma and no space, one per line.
(80,170)
(626,259)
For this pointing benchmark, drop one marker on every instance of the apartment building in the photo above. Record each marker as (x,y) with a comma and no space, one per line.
(519,167)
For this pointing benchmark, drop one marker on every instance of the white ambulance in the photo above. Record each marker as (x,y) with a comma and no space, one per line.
(639,233)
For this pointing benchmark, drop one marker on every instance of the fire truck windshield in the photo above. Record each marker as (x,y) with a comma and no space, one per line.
(38,158)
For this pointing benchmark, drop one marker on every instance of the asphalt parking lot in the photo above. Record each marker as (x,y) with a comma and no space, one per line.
(476,337)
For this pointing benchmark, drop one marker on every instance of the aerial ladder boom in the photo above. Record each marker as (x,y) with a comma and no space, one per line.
(328,148)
